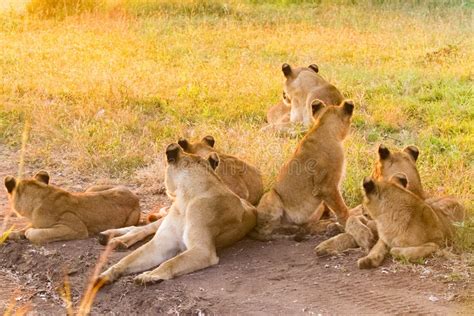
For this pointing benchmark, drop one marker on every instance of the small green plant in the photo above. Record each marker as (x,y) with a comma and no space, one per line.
(464,238)
(403,260)
(454,277)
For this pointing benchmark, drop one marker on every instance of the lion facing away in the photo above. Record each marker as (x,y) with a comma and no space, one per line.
(56,214)
(407,226)
(310,177)
(302,86)
(205,215)
(241,177)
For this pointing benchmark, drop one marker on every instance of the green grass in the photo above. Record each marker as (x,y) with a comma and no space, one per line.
(106,90)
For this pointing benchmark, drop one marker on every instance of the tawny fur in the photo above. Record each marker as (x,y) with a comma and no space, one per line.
(311,176)
(205,215)
(363,230)
(242,178)
(279,114)
(407,226)
(302,86)
(56,214)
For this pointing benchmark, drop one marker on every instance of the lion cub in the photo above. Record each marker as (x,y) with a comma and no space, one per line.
(56,214)
(302,86)
(360,231)
(205,215)
(406,224)
(311,176)
(242,178)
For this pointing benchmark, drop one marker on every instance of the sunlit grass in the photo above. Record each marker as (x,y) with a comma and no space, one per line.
(107,91)
(13,5)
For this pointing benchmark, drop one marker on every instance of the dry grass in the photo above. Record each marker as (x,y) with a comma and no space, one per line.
(107,90)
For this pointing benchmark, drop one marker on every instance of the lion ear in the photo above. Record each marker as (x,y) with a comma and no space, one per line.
(10,183)
(172,152)
(400,179)
(369,185)
(348,107)
(209,140)
(314,67)
(287,71)
(183,142)
(412,151)
(42,176)
(317,105)
(213,160)
(384,153)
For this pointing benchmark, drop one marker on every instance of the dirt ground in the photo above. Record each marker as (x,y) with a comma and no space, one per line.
(278,277)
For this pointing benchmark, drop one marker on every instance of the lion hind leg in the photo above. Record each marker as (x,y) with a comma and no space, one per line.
(165,244)
(336,244)
(375,256)
(270,212)
(413,254)
(56,233)
(191,260)
(127,236)
(133,218)
(449,206)
(200,254)
(336,203)
(69,227)
(356,226)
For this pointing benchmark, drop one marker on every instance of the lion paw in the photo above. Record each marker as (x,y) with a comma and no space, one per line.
(365,263)
(103,239)
(321,251)
(118,244)
(147,278)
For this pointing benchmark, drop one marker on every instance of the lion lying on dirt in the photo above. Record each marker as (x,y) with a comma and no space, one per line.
(302,86)
(407,226)
(205,215)
(56,214)
(311,176)
(360,231)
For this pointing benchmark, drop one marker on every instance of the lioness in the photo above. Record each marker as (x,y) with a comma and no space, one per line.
(302,86)
(361,231)
(311,176)
(205,215)
(406,224)
(56,214)
(242,178)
